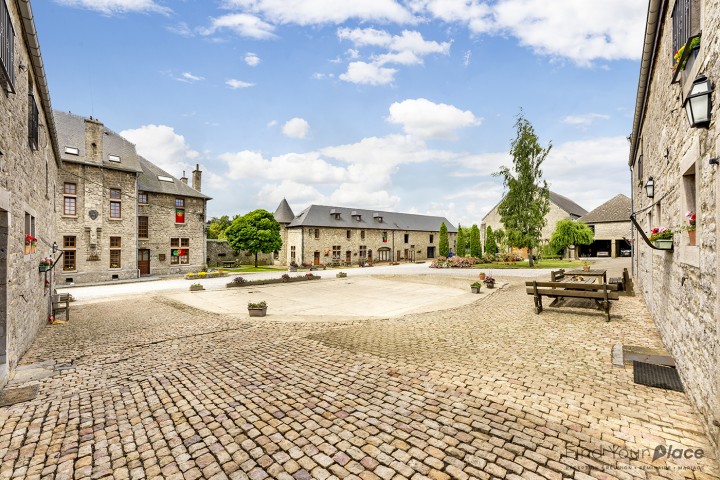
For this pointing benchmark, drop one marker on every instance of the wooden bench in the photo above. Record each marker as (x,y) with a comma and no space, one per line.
(228,264)
(624,283)
(61,303)
(601,293)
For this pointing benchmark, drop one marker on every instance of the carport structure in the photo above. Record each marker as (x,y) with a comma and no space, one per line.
(611,224)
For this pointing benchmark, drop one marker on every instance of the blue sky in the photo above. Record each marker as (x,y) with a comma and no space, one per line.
(404,105)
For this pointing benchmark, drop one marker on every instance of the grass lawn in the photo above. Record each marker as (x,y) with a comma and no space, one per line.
(524,264)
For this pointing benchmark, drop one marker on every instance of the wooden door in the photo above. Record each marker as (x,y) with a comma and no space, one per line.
(144,261)
(316,259)
(348,257)
(407,255)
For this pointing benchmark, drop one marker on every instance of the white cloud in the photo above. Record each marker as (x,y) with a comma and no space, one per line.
(584,119)
(368,74)
(308,168)
(425,119)
(189,78)
(252,59)
(312,12)
(163,147)
(235,84)
(466,58)
(242,24)
(294,192)
(112,7)
(296,128)
(386,152)
(182,29)
(271,123)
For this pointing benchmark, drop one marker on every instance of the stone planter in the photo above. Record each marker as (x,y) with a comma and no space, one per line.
(292,269)
(45,268)
(663,244)
(257,312)
(341,275)
(196,288)
(691,237)
(475,289)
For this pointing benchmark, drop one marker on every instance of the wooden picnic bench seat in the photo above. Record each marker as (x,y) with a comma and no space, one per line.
(601,293)
(228,263)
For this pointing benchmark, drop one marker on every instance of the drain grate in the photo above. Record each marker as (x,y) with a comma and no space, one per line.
(657,376)
(12,396)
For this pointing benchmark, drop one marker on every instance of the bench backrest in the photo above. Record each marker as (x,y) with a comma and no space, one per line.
(575,286)
(557,275)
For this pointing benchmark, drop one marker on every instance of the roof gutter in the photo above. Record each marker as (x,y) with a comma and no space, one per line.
(31,39)
(652,37)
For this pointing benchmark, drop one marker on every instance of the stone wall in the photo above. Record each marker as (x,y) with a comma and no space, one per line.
(92,236)
(394,248)
(219,251)
(681,286)
(27,183)
(162,227)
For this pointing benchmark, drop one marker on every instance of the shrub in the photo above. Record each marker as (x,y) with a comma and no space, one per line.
(202,274)
(237,281)
(285,277)
(262,304)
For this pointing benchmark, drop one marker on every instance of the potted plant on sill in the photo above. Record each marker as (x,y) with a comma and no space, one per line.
(196,287)
(46,264)
(258,309)
(691,217)
(475,287)
(30,243)
(489,281)
(662,238)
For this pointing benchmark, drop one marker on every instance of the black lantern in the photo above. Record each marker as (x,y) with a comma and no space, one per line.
(697,103)
(650,187)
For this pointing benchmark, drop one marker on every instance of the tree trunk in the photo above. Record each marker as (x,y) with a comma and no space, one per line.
(530,257)
(255,259)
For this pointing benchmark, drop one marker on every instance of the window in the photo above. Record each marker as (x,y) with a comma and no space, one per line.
(179,210)
(115,252)
(143,227)
(142,198)
(33,122)
(70,199)
(163,178)
(317,233)
(72,150)
(184,242)
(362,234)
(292,252)
(689,203)
(69,247)
(407,238)
(336,252)
(7,45)
(114,158)
(174,242)
(30,239)
(179,256)
(384,237)
(682,23)
(432,238)
(347,234)
(115,203)
(363,251)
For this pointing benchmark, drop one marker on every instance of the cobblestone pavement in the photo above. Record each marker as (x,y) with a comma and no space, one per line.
(151,388)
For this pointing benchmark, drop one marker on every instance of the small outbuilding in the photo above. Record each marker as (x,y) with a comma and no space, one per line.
(611,224)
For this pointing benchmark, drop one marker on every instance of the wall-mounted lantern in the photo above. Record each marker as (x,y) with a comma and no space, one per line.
(698,104)
(650,187)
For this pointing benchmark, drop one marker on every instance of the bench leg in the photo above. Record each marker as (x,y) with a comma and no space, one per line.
(606,308)
(538,304)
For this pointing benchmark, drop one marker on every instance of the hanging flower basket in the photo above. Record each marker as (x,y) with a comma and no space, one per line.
(663,243)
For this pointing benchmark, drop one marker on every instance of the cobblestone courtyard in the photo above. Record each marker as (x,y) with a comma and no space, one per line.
(153,388)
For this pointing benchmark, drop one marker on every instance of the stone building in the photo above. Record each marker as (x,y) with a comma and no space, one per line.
(337,235)
(681,285)
(611,224)
(119,215)
(29,162)
(560,208)
(220,254)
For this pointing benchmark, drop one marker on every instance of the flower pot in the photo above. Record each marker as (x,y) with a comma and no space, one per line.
(586,268)
(196,288)
(691,236)
(45,268)
(257,312)
(482,276)
(663,244)
(33,248)
(490,284)
(28,249)
(475,289)
(292,269)
(341,275)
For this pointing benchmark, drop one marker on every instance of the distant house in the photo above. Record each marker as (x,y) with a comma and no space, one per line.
(29,162)
(119,215)
(561,208)
(611,224)
(337,235)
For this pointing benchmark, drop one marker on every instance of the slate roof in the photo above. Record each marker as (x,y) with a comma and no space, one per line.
(148,182)
(617,209)
(284,213)
(561,201)
(71,133)
(321,216)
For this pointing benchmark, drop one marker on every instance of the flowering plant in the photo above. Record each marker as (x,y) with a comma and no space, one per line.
(679,54)
(47,261)
(691,220)
(30,240)
(660,233)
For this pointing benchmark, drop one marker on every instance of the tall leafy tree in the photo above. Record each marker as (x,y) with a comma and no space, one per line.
(523,209)
(475,246)
(444,243)
(491,247)
(461,241)
(570,232)
(255,232)
(217,227)
(500,239)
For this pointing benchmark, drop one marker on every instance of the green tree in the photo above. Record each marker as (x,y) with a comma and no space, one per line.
(500,238)
(523,209)
(461,242)
(255,232)
(570,232)
(217,227)
(475,245)
(444,245)
(491,247)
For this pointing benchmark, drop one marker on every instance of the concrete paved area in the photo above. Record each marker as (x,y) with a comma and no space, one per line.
(155,388)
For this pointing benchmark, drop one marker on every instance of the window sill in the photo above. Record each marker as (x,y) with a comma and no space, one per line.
(114,219)
(68,216)
(70,271)
(179,223)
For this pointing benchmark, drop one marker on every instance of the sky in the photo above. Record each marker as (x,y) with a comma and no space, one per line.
(396,105)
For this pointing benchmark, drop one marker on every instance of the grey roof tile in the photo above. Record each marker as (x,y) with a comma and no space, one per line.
(148,182)
(617,209)
(323,216)
(284,213)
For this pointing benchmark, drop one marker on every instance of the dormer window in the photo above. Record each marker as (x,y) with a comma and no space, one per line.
(356,215)
(72,150)
(378,217)
(163,178)
(114,158)
(335,213)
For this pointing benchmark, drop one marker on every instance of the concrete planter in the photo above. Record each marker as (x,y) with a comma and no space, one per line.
(475,289)
(664,244)
(257,312)
(196,288)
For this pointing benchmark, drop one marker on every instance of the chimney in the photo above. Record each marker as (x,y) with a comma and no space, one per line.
(196,176)
(184,179)
(94,131)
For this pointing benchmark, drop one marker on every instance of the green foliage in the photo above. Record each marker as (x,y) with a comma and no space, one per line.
(475,245)
(217,227)
(461,241)
(444,243)
(500,239)
(527,202)
(491,247)
(255,232)
(570,232)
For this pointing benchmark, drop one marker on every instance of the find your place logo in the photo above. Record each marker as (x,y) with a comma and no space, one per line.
(677,453)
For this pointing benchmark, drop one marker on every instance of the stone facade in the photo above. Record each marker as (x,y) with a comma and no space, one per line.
(28,175)
(219,253)
(681,286)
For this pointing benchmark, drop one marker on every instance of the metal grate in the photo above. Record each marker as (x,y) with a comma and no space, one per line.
(657,376)
(681,19)
(33,122)
(7,44)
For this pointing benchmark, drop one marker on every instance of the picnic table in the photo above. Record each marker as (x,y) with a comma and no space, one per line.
(597,272)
